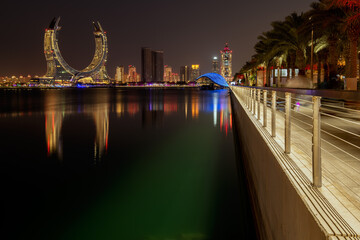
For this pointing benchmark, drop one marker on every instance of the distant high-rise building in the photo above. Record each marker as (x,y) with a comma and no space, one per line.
(157,66)
(146,65)
(226,63)
(167,73)
(120,75)
(175,78)
(195,72)
(185,74)
(132,75)
(152,65)
(215,65)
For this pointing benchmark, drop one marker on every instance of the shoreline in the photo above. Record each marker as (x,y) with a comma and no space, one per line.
(75,87)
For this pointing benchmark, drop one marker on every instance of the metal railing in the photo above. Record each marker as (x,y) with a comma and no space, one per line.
(294,111)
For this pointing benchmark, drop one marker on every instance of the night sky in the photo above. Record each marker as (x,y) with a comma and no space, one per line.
(189,32)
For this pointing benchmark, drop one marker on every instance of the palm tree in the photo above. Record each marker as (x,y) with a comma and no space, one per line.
(326,21)
(352,27)
(283,44)
(287,38)
(249,70)
(266,52)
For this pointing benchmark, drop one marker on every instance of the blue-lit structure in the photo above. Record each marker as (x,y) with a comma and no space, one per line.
(215,78)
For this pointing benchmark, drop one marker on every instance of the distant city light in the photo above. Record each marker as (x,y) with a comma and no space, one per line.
(195,66)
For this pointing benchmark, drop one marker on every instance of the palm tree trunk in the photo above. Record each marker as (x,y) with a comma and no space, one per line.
(300,62)
(347,58)
(288,59)
(359,63)
(351,81)
(326,72)
(288,72)
(319,71)
(273,75)
(292,65)
(278,82)
(333,56)
(267,75)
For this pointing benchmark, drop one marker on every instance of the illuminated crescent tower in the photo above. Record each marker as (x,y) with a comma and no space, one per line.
(226,63)
(58,69)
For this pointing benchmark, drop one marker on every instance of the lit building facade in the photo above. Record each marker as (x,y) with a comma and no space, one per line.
(185,74)
(15,81)
(132,76)
(195,72)
(167,73)
(215,65)
(120,75)
(59,69)
(175,78)
(226,63)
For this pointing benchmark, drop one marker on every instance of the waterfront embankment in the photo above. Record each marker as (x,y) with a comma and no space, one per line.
(286,203)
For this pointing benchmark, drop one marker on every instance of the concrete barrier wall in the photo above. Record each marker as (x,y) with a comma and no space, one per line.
(280,211)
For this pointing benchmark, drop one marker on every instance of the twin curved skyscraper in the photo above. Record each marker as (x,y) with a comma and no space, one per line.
(58,69)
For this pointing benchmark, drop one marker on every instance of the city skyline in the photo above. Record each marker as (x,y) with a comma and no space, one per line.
(181,36)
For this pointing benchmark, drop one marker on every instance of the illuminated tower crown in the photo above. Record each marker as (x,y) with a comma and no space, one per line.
(226,63)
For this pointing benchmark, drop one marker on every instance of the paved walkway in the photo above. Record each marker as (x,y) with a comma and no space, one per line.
(340,161)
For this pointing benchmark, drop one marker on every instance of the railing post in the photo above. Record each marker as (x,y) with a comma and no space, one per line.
(248,97)
(258,103)
(316,143)
(287,122)
(243,97)
(273,113)
(253,101)
(265,108)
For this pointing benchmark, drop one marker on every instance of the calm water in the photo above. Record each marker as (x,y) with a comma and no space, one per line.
(120,164)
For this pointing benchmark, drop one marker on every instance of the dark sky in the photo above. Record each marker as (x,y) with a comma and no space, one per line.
(189,32)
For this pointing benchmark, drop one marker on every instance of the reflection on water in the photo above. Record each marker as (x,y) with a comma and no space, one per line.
(171,104)
(53,123)
(121,164)
(156,107)
(55,115)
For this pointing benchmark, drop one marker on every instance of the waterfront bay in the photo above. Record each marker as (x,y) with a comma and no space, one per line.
(121,164)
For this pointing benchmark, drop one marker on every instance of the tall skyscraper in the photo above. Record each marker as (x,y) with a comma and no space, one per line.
(146,65)
(167,73)
(152,65)
(226,63)
(158,66)
(195,72)
(132,75)
(185,74)
(58,69)
(120,75)
(215,65)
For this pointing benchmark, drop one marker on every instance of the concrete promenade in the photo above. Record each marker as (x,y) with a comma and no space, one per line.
(334,209)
